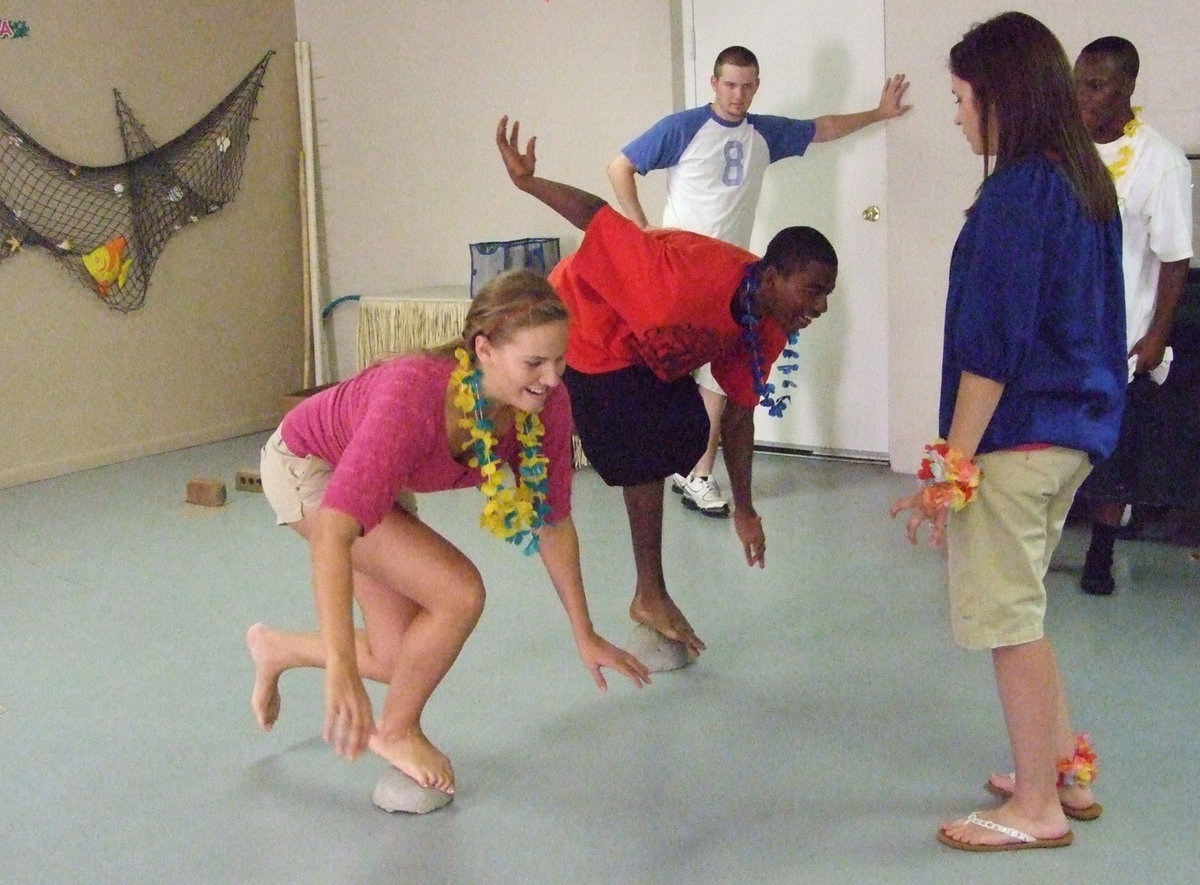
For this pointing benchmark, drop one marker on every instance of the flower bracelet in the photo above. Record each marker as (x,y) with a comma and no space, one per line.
(950,478)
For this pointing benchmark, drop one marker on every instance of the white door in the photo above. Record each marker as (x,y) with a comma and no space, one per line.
(818,58)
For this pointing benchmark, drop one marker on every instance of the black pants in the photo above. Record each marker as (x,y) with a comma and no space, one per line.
(635,427)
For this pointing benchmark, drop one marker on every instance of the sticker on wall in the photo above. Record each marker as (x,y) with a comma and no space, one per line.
(14,29)
(108,224)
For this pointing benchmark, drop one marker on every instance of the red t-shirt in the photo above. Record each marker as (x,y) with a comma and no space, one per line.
(660,299)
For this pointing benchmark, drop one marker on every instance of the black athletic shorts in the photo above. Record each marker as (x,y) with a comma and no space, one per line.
(1133,473)
(636,428)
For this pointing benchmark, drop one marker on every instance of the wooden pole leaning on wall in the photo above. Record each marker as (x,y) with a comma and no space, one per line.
(306,282)
(313,262)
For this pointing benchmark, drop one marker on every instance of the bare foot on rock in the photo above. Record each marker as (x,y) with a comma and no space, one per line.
(413,754)
(660,613)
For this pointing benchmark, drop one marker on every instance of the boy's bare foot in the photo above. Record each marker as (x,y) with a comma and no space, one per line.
(1078,802)
(660,613)
(264,698)
(413,754)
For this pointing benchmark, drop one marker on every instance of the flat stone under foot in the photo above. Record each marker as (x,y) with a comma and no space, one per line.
(658,653)
(396,791)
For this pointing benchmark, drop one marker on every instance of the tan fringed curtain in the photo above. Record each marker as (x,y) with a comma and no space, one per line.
(389,326)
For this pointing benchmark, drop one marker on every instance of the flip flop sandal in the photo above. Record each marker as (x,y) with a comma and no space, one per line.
(1020,842)
(1091,812)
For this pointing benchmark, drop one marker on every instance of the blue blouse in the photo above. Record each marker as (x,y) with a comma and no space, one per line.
(1037,302)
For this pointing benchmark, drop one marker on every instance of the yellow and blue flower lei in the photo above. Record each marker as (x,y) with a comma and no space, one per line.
(513,514)
(749,323)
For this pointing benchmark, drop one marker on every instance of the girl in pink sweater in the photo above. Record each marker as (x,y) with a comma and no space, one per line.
(341,470)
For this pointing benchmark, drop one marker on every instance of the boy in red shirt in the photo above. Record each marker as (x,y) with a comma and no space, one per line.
(647,308)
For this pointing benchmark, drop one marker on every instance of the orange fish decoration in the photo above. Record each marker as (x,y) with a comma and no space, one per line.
(106,266)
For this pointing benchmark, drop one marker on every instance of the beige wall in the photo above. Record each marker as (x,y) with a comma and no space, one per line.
(933,175)
(219,336)
(410,177)
(408,96)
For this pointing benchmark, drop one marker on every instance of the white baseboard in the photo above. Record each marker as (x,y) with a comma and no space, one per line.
(821,452)
(136,449)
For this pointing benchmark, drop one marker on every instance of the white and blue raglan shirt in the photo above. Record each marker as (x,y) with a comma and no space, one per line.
(715,167)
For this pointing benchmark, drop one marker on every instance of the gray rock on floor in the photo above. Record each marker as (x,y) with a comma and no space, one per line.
(396,791)
(657,652)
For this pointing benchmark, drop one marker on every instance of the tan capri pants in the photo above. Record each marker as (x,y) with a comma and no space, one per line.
(1000,544)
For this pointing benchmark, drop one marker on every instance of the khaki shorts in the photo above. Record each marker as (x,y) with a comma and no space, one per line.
(704,377)
(1000,544)
(294,486)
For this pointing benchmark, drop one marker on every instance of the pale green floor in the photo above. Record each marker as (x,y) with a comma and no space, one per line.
(827,730)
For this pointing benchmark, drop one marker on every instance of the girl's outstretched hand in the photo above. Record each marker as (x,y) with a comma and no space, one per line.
(925,508)
(348,718)
(598,652)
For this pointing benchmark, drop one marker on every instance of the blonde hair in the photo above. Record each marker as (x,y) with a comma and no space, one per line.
(514,300)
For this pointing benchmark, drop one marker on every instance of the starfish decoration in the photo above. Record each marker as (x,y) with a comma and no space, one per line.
(74,211)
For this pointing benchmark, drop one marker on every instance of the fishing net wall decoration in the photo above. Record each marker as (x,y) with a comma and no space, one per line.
(108,224)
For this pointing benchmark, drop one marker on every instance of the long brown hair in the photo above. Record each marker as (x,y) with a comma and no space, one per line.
(1021,77)
(514,300)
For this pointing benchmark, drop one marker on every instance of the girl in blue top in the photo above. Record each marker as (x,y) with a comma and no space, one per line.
(1033,378)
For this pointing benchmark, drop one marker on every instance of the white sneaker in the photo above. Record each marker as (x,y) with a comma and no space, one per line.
(701,493)
(678,483)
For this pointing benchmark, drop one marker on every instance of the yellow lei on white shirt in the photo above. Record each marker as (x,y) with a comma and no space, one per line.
(1120,165)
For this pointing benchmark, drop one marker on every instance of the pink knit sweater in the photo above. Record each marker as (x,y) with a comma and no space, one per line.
(384,430)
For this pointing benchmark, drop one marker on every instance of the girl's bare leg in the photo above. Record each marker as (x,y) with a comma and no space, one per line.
(1062,734)
(1029,683)
(416,622)
(274,653)
(1070,796)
